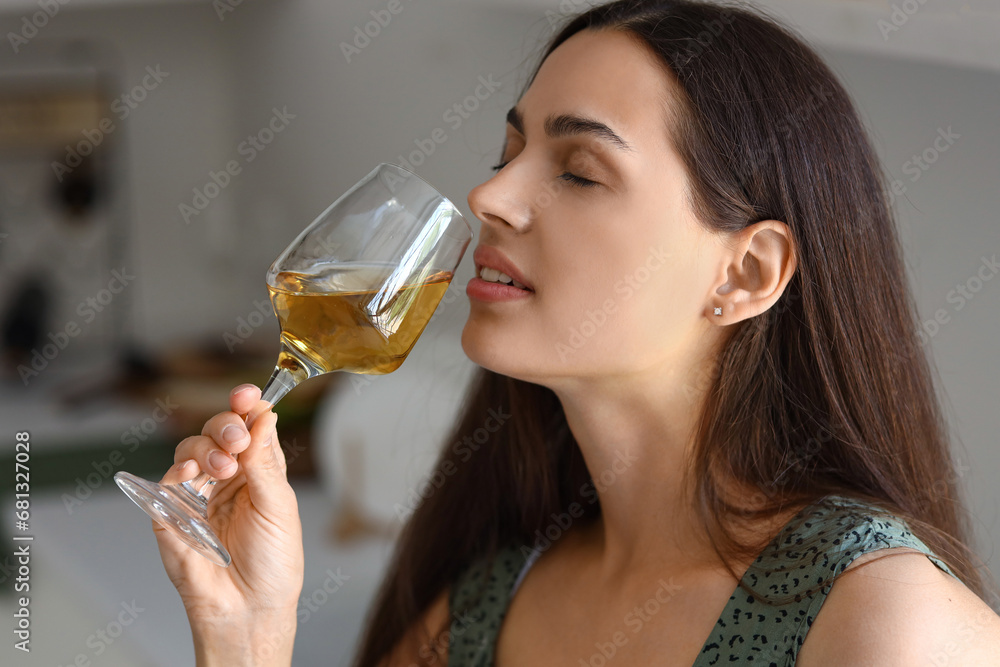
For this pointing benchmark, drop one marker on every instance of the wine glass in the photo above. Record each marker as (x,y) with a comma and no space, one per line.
(352,293)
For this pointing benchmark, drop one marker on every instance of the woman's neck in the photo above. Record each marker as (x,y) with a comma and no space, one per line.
(637,437)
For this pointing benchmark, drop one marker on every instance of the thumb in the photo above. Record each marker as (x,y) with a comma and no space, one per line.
(263,464)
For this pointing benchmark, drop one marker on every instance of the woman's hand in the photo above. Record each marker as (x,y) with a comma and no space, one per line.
(254,512)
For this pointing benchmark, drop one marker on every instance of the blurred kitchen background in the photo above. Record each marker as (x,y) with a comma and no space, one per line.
(132,261)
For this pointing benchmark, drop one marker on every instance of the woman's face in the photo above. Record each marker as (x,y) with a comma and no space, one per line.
(622,275)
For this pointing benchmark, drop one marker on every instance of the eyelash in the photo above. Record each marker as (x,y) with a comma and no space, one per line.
(566,176)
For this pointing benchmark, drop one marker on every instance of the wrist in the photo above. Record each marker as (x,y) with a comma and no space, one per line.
(252,640)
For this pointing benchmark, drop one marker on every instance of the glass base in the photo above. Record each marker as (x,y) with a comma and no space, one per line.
(179,509)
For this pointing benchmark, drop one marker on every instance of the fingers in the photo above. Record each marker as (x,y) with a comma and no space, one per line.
(228,431)
(208,455)
(246,400)
(263,463)
(183,470)
(243,398)
(222,436)
(225,435)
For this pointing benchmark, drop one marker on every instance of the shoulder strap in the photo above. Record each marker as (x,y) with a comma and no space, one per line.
(787,579)
(478,601)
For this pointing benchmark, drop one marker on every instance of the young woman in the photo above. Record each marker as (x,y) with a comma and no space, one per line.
(704,413)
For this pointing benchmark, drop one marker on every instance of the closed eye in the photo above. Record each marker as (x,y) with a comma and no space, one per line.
(577,180)
(566,176)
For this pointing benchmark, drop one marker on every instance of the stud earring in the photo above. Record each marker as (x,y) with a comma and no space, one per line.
(718,310)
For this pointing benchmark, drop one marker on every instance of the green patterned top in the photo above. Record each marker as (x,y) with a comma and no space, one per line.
(766,628)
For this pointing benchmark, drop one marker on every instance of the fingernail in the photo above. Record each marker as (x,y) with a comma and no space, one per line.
(218,460)
(242,388)
(233,433)
(185,466)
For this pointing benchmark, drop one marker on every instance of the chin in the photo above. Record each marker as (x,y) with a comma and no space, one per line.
(478,350)
(495,353)
(490,351)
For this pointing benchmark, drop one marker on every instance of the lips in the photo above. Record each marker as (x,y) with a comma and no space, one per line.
(491,257)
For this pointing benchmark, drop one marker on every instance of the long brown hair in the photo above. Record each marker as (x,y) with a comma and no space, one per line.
(827,392)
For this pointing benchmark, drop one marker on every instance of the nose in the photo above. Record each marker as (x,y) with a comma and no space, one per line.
(502,201)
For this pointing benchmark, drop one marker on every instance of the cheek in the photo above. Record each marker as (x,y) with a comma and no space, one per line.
(633,304)
(617,311)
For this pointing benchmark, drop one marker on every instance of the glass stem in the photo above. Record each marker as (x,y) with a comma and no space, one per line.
(280,383)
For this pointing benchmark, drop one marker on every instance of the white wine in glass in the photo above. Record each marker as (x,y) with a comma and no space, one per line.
(325,317)
(352,292)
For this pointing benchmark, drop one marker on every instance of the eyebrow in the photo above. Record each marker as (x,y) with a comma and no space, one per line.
(565,125)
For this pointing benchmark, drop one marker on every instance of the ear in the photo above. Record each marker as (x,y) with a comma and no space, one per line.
(758,262)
